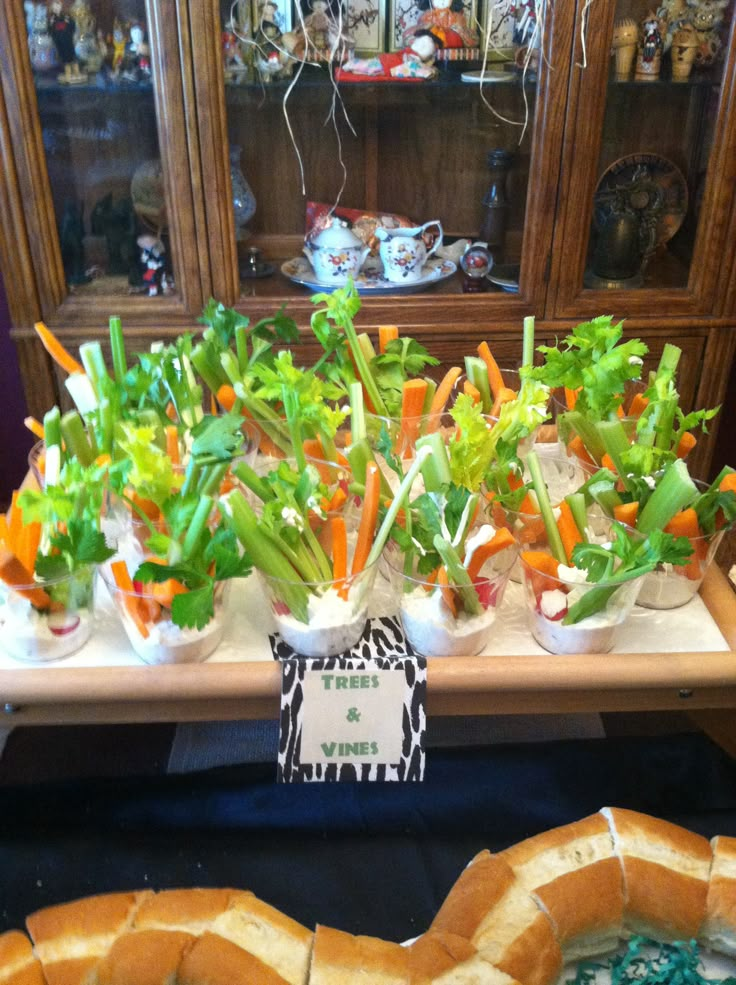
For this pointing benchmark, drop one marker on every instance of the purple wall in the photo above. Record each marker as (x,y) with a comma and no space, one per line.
(15,440)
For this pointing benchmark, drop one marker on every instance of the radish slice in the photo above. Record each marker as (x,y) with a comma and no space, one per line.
(553,604)
(63,623)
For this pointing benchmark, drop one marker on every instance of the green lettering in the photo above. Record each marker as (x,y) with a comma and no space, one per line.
(374,748)
(365,681)
(327,681)
(355,682)
(341,683)
(376,682)
(328,748)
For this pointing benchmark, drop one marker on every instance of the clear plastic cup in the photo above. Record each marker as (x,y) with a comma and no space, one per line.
(48,619)
(672,586)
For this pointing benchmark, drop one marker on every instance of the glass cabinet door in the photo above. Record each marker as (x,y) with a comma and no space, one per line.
(377,148)
(649,215)
(87,100)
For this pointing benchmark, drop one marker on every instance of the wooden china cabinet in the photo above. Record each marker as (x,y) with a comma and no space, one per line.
(86,169)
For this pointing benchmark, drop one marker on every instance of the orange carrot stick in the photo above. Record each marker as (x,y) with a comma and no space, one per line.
(4,537)
(685,524)
(15,523)
(30,538)
(448,595)
(338,500)
(226,397)
(441,396)
(123,580)
(34,426)
(368,518)
(728,482)
(172,443)
(505,394)
(607,463)
(495,378)
(502,539)
(571,397)
(569,532)
(543,570)
(686,444)
(412,402)
(18,577)
(386,334)
(576,449)
(637,406)
(626,513)
(339,554)
(472,391)
(57,351)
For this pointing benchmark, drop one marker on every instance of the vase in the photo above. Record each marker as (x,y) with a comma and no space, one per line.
(244,201)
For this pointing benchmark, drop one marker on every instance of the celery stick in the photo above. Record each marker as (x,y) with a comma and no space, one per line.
(459,575)
(94,366)
(230,365)
(606,496)
(77,442)
(253,481)
(358,455)
(477,373)
(52,427)
(197,527)
(436,468)
(215,475)
(674,492)
(602,476)
(669,359)
(317,552)
(106,423)
(241,347)
(545,508)
(211,373)
(614,439)
(576,502)
(357,412)
(401,495)
(527,358)
(191,477)
(117,344)
(366,347)
(290,400)
(429,395)
(587,431)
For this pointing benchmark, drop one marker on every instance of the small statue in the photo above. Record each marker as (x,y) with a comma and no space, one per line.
(71,238)
(232,56)
(623,46)
(707,16)
(41,47)
(417,61)
(272,60)
(320,37)
(651,44)
(62,29)
(86,46)
(153,262)
(136,63)
(674,14)
(447,22)
(119,42)
(685,45)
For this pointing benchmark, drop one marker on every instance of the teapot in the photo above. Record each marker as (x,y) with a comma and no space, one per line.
(336,254)
(404,253)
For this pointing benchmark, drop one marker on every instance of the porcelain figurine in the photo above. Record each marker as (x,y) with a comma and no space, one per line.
(118,43)
(153,262)
(707,17)
(623,46)
(136,63)
(685,45)
(321,37)
(86,46)
(272,59)
(417,61)
(233,56)
(446,20)
(651,44)
(404,252)
(62,29)
(673,13)
(336,253)
(41,47)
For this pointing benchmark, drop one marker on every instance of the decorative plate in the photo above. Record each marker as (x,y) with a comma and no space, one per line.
(505,275)
(370,280)
(650,185)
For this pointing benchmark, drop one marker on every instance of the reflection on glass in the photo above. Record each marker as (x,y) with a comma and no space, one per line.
(92,70)
(392,131)
(662,102)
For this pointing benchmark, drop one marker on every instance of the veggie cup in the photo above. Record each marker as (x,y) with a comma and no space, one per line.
(145,612)
(320,619)
(550,601)
(442,621)
(672,586)
(48,619)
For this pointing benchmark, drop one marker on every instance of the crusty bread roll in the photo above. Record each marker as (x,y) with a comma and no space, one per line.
(491,908)
(145,957)
(190,910)
(439,958)
(339,958)
(575,876)
(71,938)
(719,927)
(18,966)
(212,960)
(666,871)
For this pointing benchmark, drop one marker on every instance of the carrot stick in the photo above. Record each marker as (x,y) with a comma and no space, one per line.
(686,444)
(368,518)
(505,394)
(34,426)
(472,391)
(607,463)
(626,513)
(568,529)
(502,539)
(495,379)
(637,406)
(4,541)
(339,554)
(571,398)
(386,334)
(18,577)
(728,482)
(226,397)
(576,448)
(412,402)
(122,578)
(15,523)
(339,498)
(57,351)
(533,530)
(448,595)
(544,570)
(441,396)
(431,579)
(27,549)
(685,524)
(172,443)
(171,412)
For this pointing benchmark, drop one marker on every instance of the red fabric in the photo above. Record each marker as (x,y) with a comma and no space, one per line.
(389,61)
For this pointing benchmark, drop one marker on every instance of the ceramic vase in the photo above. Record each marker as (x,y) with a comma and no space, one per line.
(244,201)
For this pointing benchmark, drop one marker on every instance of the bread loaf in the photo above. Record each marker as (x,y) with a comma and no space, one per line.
(212,960)
(719,927)
(18,966)
(574,875)
(339,958)
(666,871)
(145,957)
(490,907)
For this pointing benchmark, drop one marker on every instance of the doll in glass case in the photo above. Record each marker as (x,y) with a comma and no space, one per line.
(62,28)
(447,21)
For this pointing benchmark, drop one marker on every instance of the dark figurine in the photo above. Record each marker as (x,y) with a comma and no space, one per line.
(62,29)
(153,262)
(116,222)
(71,236)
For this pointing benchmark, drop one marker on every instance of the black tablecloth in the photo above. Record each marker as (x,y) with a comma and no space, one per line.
(374,859)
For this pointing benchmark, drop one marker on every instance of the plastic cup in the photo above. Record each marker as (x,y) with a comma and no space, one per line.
(320,619)
(672,586)
(165,642)
(37,635)
(37,462)
(429,624)
(548,599)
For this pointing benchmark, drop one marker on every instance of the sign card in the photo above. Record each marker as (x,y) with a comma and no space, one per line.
(349,718)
